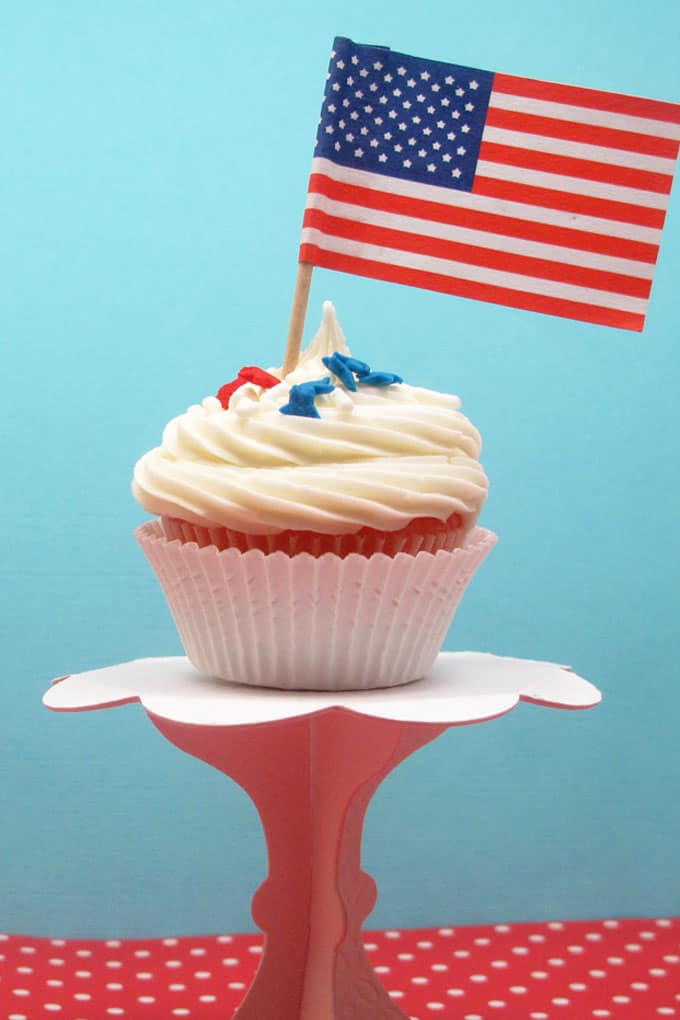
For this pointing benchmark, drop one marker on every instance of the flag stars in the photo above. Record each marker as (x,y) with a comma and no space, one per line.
(378,121)
(435,87)
(469,106)
(461,150)
(431,167)
(374,143)
(406,104)
(460,91)
(388,135)
(388,78)
(437,145)
(355,60)
(427,131)
(455,114)
(411,83)
(416,119)
(382,158)
(392,114)
(425,75)
(412,141)
(340,64)
(363,131)
(363,73)
(383,99)
(441,124)
(368,109)
(350,81)
(358,153)
(354,115)
(396,92)
(330,129)
(449,80)
(332,108)
(446,101)
(455,173)
(451,135)
(377,66)
(422,153)
(359,94)
(402,126)
(398,148)
(337,146)
(335,86)
(420,97)
(349,137)
(474,84)
(373,87)
(345,103)
(430,109)
(401,70)
(341,124)
(407,163)
(465,128)
(446,157)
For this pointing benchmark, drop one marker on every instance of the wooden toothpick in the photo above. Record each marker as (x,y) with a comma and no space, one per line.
(297,317)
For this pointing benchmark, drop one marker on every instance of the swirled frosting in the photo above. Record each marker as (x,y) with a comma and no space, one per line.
(378,457)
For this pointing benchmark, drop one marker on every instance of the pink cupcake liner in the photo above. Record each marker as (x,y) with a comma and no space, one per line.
(307,623)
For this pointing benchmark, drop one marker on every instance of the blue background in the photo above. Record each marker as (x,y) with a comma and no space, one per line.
(148,250)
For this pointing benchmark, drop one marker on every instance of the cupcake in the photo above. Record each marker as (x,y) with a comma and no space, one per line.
(317,531)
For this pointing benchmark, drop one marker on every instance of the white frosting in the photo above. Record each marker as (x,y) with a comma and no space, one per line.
(377,457)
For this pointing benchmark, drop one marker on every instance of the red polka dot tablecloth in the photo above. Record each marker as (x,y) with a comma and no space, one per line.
(619,969)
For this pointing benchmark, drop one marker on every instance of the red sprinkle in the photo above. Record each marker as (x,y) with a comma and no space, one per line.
(251,374)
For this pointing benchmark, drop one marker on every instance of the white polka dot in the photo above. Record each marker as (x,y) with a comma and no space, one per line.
(665,1011)
(502,928)
(18,1016)
(555,961)
(57,942)
(601,1012)
(537,938)
(575,950)
(396,994)
(198,951)
(499,964)
(83,952)
(83,973)
(598,973)
(610,924)
(231,961)
(518,989)
(52,1007)
(177,988)
(113,942)
(173,963)
(497,1004)
(622,1000)
(54,983)
(169,942)
(540,975)
(594,936)
(439,967)
(425,945)
(115,1011)
(27,950)
(616,961)
(21,992)
(578,986)
(633,947)
(144,975)
(180,1011)
(392,934)
(647,935)
(520,950)
(54,962)
(640,986)
(225,938)
(446,932)
(560,1001)
(202,975)
(114,986)
(405,956)
(146,1000)
(257,950)
(538,1016)
(419,980)
(658,972)
(663,922)
(207,998)
(478,978)
(236,985)
(671,959)
(82,996)
(382,969)
(24,970)
(472,1016)
(435,1005)
(455,992)
(461,954)
(114,964)
(555,925)
(482,942)
(370,946)
(3,937)
(142,953)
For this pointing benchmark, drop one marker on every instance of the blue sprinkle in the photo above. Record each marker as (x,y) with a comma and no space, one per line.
(380,378)
(301,398)
(345,368)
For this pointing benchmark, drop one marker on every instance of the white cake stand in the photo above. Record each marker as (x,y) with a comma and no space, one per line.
(311,763)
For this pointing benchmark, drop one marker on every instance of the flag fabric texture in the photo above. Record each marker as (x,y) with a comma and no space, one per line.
(535,195)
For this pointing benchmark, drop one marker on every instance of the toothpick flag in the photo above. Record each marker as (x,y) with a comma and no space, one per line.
(524,193)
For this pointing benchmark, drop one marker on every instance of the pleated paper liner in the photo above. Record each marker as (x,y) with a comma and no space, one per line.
(424,534)
(311,623)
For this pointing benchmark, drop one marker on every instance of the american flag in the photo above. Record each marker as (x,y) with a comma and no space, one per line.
(535,195)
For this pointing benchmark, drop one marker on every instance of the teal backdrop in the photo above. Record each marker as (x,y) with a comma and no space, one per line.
(150,210)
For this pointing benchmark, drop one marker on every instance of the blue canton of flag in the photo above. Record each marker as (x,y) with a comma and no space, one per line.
(403,116)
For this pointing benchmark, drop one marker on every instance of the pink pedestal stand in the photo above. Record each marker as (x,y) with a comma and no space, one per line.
(311,763)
